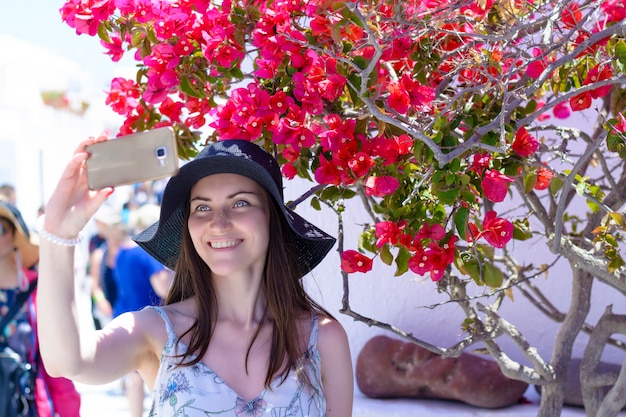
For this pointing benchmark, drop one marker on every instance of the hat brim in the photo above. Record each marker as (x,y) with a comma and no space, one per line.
(26,245)
(163,238)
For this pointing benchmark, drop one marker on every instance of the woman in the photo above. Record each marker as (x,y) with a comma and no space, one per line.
(18,257)
(238,336)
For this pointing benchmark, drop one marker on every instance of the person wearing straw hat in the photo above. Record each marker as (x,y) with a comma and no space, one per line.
(19,254)
(237,335)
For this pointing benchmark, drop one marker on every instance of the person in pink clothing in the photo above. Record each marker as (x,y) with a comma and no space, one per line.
(19,255)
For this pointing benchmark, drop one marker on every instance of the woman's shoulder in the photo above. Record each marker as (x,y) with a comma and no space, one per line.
(180,315)
(330,331)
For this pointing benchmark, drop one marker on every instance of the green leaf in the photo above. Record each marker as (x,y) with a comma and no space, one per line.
(237,73)
(347,193)
(521,230)
(103,34)
(402,261)
(473,269)
(615,264)
(620,51)
(610,239)
(360,62)
(385,255)
(618,218)
(460,221)
(555,185)
(448,197)
(593,206)
(187,87)
(315,203)
(329,193)
(492,276)
(529,182)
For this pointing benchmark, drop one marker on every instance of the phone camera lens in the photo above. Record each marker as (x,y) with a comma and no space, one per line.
(161,152)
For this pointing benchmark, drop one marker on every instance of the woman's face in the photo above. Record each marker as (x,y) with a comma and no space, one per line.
(229,224)
(7,232)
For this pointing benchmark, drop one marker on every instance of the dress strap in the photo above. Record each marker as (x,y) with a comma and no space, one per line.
(169,328)
(314,333)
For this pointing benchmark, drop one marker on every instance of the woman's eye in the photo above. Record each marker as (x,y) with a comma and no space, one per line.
(240,203)
(202,207)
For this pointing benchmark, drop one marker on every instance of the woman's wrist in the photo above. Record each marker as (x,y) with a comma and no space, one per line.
(51,237)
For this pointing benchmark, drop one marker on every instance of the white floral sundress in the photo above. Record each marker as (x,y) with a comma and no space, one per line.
(194,391)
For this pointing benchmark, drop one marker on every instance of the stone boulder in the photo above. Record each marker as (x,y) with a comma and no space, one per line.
(391,368)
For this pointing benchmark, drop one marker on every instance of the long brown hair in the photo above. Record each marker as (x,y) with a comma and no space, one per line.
(284,292)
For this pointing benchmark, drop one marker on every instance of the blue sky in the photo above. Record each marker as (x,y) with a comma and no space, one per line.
(39,22)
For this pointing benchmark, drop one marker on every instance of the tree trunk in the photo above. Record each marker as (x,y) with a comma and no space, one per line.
(552,394)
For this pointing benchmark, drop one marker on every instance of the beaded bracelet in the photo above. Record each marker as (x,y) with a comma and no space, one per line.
(59,240)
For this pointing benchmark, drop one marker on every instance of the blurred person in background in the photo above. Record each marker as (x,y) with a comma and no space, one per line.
(8,194)
(135,272)
(103,247)
(19,254)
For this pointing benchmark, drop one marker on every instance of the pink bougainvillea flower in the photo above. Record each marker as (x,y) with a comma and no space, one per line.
(436,232)
(114,48)
(361,164)
(581,101)
(472,232)
(171,109)
(495,185)
(496,230)
(480,161)
(581,37)
(289,171)
(266,68)
(85,16)
(387,232)
(332,86)
(524,144)
(537,66)
(571,15)
(561,111)
(389,149)
(399,98)
(441,255)
(434,260)
(614,10)
(123,96)
(353,261)
(420,262)
(544,176)
(327,172)
(381,186)
(599,73)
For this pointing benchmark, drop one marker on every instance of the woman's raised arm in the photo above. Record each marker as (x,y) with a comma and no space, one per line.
(70,345)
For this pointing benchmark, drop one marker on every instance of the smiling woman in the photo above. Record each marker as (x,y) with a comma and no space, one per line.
(238,335)
(229,224)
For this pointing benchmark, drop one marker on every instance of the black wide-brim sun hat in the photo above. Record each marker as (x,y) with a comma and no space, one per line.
(163,238)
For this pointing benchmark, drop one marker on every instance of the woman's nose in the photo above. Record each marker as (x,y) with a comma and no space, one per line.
(220,219)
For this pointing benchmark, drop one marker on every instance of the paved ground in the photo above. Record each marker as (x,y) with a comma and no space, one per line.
(105,400)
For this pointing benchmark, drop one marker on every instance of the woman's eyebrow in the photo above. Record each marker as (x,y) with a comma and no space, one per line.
(233,195)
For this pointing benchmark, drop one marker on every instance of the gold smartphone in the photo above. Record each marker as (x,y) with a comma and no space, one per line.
(132,159)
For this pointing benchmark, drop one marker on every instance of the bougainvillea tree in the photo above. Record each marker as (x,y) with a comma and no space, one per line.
(431,112)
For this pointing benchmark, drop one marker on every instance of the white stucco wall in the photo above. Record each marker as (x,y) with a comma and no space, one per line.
(36,139)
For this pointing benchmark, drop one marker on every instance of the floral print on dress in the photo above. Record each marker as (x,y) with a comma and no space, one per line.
(254,408)
(197,391)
